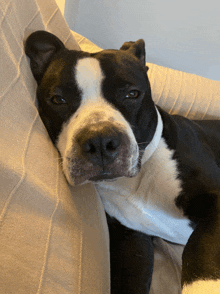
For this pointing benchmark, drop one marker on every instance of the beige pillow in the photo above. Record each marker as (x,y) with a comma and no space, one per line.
(53,238)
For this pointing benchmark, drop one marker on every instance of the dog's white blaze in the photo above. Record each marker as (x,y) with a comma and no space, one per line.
(202,287)
(89,79)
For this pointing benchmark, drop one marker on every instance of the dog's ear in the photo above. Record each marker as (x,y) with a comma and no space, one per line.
(136,48)
(40,48)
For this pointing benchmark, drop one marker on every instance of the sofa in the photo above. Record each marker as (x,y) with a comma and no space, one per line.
(54,237)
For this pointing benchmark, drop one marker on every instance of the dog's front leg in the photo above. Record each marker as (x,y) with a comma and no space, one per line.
(131,258)
(201,256)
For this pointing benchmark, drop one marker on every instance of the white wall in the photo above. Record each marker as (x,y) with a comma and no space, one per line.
(183,35)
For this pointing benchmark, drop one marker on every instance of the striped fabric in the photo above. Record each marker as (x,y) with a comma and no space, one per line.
(53,238)
(185,94)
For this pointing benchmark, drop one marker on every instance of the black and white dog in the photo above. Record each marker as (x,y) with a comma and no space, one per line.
(157,174)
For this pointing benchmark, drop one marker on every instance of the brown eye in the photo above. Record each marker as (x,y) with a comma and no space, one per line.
(133,94)
(58,100)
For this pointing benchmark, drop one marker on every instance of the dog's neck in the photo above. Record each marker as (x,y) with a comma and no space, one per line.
(149,150)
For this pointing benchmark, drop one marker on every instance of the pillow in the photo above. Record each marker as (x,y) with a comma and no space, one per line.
(53,238)
(185,94)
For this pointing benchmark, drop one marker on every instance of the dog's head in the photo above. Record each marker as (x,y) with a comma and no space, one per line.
(97,108)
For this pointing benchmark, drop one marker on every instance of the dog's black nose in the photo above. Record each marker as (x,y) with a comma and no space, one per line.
(99,143)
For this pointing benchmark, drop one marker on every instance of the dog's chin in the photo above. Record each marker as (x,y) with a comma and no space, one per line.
(110,177)
(102,176)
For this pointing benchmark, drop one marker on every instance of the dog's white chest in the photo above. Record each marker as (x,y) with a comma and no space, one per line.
(146,202)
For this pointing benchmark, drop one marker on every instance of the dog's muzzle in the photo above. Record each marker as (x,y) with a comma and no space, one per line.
(105,149)
(98,146)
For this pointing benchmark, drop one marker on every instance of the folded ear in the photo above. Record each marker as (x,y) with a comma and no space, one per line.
(136,48)
(40,47)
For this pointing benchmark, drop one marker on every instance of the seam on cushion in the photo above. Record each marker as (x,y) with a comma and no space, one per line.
(55,11)
(194,99)
(23,173)
(70,34)
(14,13)
(80,265)
(33,18)
(18,66)
(15,80)
(161,93)
(173,106)
(209,103)
(77,39)
(5,12)
(151,75)
(80,41)
(169,72)
(49,234)
(18,43)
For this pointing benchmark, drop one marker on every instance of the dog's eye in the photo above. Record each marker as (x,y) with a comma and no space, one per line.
(133,94)
(58,99)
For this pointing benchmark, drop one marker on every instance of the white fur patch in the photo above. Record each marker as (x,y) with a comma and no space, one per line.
(89,78)
(146,202)
(202,287)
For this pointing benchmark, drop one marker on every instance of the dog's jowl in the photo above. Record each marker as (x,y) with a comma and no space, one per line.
(157,174)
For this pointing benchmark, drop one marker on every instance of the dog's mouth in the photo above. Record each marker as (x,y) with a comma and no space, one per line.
(96,174)
(105,176)
(112,174)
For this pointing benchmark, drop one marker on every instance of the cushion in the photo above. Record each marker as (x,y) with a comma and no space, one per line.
(53,238)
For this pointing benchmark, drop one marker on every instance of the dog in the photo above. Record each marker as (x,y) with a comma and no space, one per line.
(157,174)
